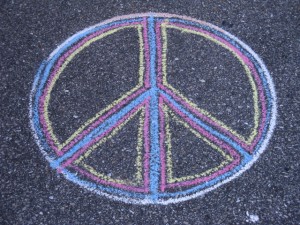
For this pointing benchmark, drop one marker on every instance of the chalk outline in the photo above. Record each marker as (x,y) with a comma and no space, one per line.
(49,88)
(202,111)
(138,176)
(237,158)
(103,179)
(170,178)
(204,115)
(262,143)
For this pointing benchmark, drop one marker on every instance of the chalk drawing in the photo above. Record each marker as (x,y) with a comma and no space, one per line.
(155,102)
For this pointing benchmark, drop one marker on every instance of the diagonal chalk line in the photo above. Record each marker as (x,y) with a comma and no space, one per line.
(102,128)
(99,120)
(208,128)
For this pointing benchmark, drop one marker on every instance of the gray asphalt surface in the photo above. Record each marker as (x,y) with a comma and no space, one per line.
(33,193)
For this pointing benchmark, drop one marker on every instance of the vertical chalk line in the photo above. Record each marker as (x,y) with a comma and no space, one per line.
(154,115)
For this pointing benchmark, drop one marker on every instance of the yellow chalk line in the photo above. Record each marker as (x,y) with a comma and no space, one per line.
(247,70)
(168,145)
(138,164)
(170,178)
(110,106)
(139,158)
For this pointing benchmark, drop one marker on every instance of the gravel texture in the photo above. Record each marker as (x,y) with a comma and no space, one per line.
(32,193)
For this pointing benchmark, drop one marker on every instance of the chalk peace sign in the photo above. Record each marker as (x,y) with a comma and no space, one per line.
(159,106)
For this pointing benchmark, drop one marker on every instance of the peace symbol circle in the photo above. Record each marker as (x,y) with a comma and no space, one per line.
(157,102)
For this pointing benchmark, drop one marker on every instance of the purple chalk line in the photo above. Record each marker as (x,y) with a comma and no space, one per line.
(200,115)
(94,141)
(147,146)
(209,136)
(109,183)
(162,146)
(91,127)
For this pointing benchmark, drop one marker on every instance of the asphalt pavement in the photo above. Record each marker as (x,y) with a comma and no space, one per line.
(104,183)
